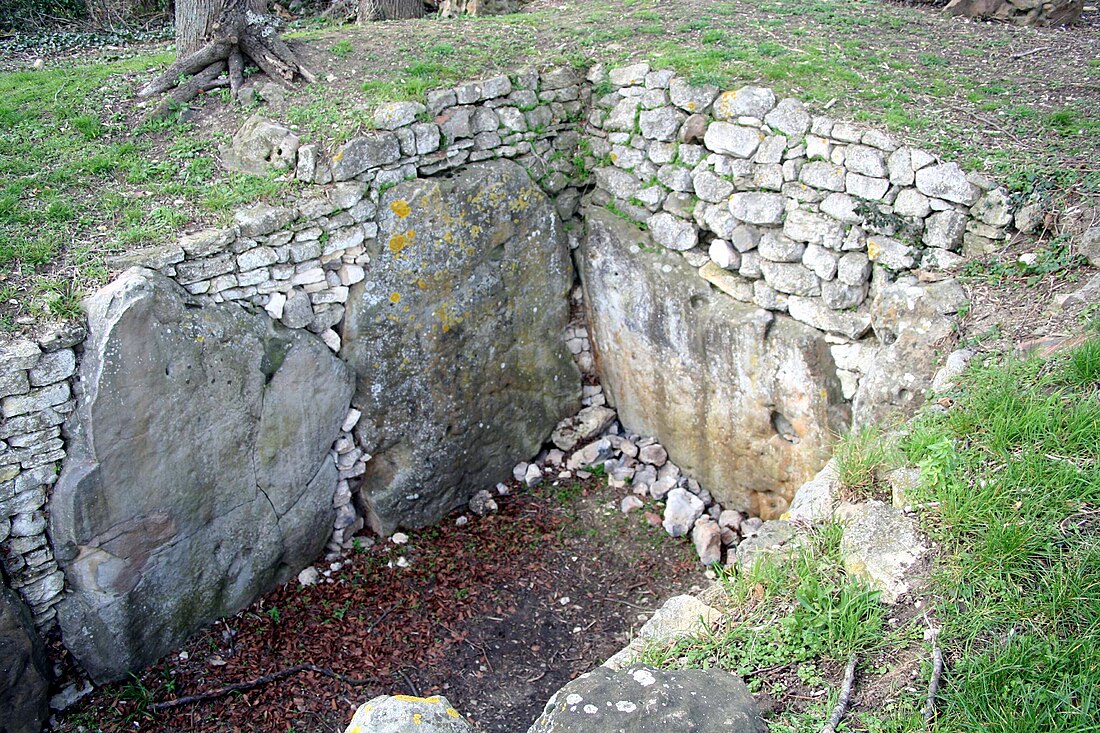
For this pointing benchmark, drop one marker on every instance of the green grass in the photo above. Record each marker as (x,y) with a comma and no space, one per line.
(77,182)
(1013,473)
(1014,465)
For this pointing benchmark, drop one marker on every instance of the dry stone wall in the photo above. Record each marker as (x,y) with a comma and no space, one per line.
(795,213)
(36,397)
(840,228)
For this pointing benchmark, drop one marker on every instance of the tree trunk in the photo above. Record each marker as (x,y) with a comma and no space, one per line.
(195,24)
(390,10)
(214,36)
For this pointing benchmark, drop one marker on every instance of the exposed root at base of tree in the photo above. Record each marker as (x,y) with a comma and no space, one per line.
(240,34)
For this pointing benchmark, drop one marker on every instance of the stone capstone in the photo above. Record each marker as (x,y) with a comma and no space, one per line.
(24,674)
(457,338)
(407,714)
(198,477)
(713,377)
(649,700)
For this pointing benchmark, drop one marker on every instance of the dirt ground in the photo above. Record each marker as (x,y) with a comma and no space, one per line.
(495,615)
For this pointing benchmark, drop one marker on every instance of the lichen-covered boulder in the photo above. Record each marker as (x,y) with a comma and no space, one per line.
(407,714)
(647,700)
(457,339)
(24,680)
(198,476)
(746,401)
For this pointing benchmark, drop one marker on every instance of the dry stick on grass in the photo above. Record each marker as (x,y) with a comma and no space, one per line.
(259,681)
(933,684)
(845,697)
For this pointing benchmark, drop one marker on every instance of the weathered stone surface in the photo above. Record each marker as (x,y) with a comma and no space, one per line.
(391,115)
(24,674)
(677,618)
(729,139)
(711,376)
(947,181)
(260,146)
(672,232)
(691,98)
(776,539)
(361,153)
(648,700)
(745,102)
(813,502)
(789,117)
(682,508)
(406,714)
(457,338)
(813,312)
(913,321)
(757,208)
(198,478)
(584,426)
(880,545)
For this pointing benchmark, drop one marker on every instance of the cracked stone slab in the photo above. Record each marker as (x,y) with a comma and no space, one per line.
(680,616)
(198,476)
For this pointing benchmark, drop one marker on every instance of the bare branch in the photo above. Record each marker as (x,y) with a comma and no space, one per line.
(845,697)
(933,685)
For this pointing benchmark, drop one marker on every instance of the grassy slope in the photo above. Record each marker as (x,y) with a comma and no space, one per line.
(80,178)
(1014,469)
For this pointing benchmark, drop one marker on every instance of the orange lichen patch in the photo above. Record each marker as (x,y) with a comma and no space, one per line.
(395,298)
(401,208)
(433,700)
(420,283)
(399,242)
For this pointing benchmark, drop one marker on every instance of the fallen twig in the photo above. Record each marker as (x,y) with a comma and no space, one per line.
(933,684)
(1023,54)
(845,697)
(259,681)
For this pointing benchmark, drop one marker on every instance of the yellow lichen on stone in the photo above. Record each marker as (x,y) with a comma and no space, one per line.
(874,249)
(433,700)
(417,718)
(395,298)
(399,242)
(401,208)
(452,712)
(420,283)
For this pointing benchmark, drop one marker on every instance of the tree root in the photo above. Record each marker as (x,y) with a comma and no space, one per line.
(239,35)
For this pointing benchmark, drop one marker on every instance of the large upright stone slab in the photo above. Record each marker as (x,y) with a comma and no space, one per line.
(198,476)
(744,400)
(457,340)
(24,680)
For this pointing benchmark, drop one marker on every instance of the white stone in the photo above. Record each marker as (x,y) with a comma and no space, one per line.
(682,508)
(729,139)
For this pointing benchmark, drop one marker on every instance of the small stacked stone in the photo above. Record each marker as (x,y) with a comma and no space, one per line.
(351,463)
(35,399)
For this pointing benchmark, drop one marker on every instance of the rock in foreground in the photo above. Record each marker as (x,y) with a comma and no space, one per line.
(199,478)
(647,700)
